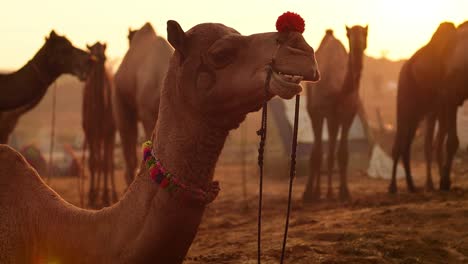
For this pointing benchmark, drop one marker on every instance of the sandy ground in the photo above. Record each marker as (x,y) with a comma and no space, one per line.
(374,227)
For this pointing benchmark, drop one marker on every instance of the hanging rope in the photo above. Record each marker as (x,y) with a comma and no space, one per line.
(262,132)
(52,133)
(244,169)
(292,174)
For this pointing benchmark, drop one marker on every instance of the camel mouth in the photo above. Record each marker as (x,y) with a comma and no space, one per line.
(285,85)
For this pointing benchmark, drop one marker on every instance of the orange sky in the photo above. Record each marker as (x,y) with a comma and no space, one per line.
(398,27)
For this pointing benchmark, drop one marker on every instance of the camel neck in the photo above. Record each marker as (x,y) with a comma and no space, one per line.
(28,85)
(187,147)
(39,70)
(353,74)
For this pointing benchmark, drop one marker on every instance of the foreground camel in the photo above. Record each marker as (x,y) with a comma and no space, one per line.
(23,90)
(215,78)
(420,85)
(336,99)
(138,82)
(454,94)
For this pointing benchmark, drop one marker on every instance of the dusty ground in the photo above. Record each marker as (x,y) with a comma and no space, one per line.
(373,228)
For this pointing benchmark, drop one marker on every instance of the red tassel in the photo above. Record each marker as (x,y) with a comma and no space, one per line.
(290,21)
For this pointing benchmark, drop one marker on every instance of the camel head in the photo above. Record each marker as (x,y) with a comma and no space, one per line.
(63,57)
(223,73)
(98,52)
(130,35)
(357,37)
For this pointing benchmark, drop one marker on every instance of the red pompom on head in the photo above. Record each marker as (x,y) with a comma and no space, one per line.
(290,21)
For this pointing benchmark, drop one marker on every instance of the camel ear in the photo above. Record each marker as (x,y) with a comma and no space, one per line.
(88,47)
(347,31)
(367,29)
(104,46)
(53,34)
(176,37)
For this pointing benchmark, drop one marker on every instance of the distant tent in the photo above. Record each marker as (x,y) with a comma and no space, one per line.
(283,113)
(280,124)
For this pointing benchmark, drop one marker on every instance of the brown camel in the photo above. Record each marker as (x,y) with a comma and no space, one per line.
(419,87)
(138,82)
(336,99)
(215,78)
(453,96)
(99,128)
(23,90)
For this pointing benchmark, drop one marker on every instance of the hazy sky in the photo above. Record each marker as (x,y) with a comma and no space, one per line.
(397,26)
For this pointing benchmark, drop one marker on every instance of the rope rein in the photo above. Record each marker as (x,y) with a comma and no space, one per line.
(292,174)
(262,132)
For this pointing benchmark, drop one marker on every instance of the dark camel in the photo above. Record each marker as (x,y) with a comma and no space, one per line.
(453,96)
(336,99)
(420,85)
(99,128)
(23,90)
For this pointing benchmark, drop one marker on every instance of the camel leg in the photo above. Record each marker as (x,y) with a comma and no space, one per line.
(343,158)
(333,128)
(440,142)
(127,125)
(149,122)
(115,198)
(92,193)
(428,149)
(105,190)
(396,153)
(406,158)
(312,190)
(452,147)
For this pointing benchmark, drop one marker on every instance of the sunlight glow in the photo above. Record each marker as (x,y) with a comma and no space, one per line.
(398,27)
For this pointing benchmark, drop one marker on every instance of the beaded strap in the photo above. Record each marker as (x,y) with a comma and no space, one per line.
(172,184)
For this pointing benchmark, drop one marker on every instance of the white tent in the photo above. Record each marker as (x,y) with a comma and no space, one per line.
(305,133)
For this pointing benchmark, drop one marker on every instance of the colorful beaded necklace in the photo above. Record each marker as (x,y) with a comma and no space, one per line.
(172,184)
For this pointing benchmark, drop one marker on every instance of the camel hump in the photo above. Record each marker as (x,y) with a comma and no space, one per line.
(463,25)
(329,32)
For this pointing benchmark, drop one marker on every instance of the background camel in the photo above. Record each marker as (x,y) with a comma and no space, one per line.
(421,83)
(23,90)
(334,99)
(454,94)
(213,82)
(138,82)
(99,128)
